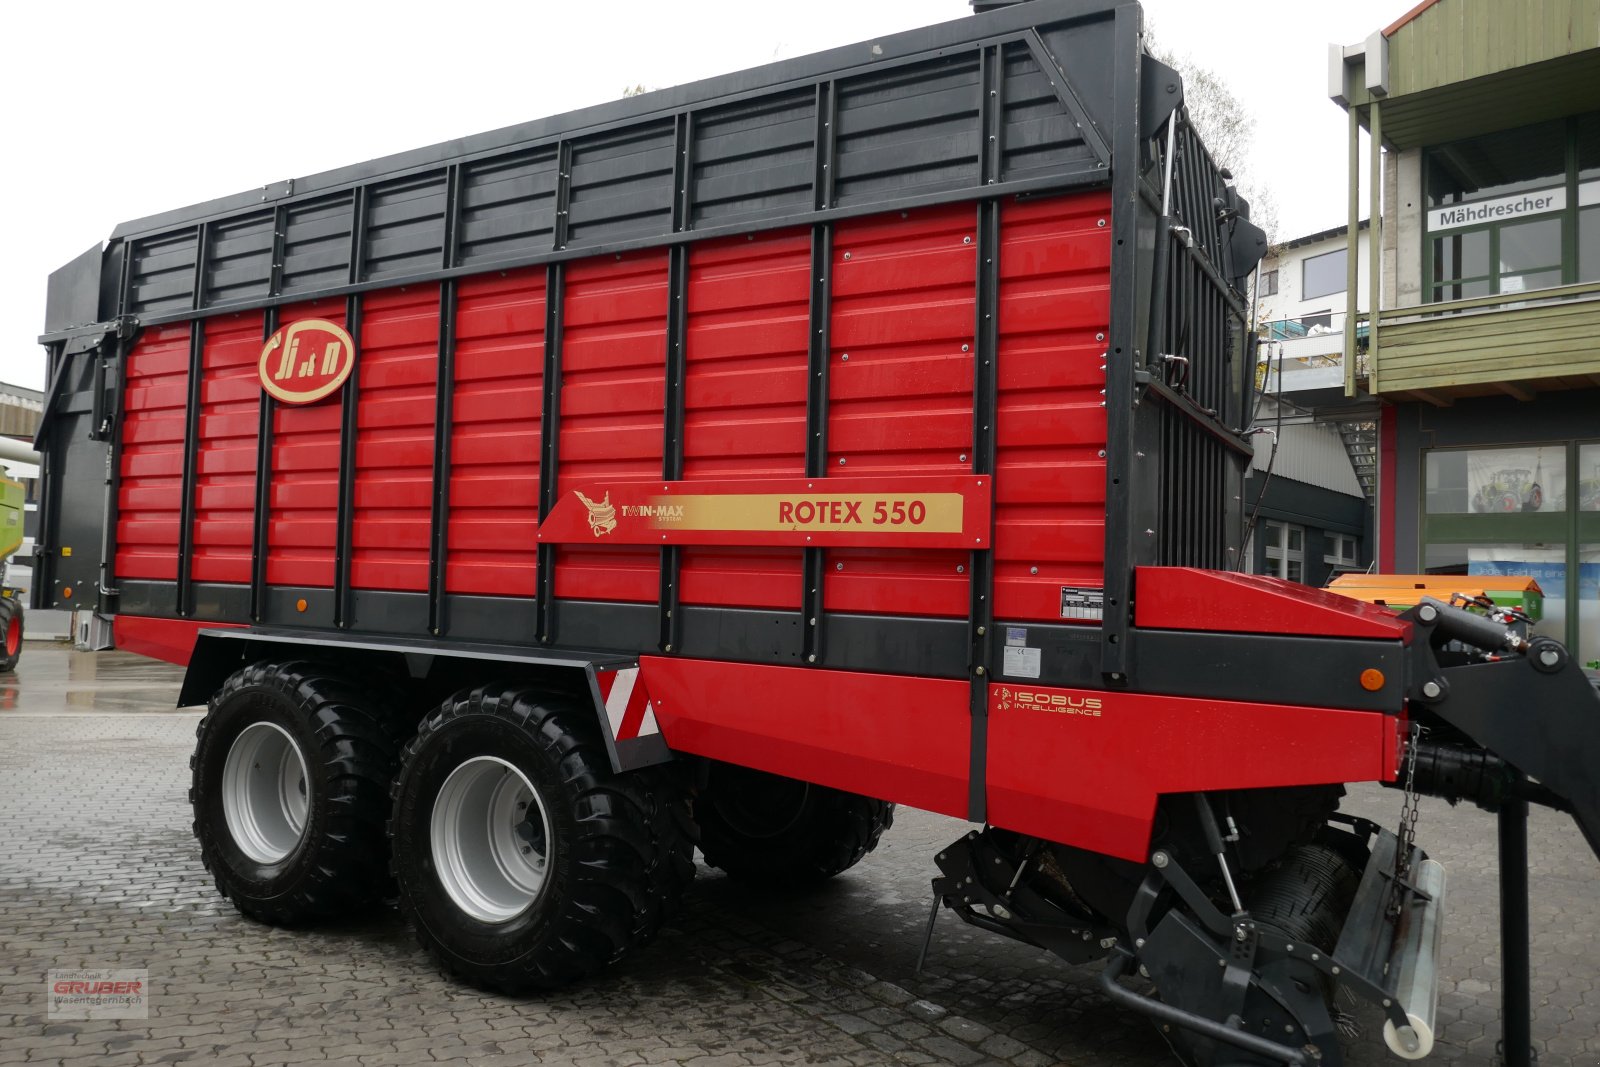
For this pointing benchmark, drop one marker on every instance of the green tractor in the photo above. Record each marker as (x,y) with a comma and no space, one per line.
(12,496)
(1510,490)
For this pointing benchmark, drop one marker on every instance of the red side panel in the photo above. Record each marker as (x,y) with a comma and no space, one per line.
(900,389)
(1050,473)
(494,443)
(303,517)
(613,387)
(1182,598)
(898,739)
(1084,767)
(225,458)
(150,492)
(745,399)
(398,378)
(171,640)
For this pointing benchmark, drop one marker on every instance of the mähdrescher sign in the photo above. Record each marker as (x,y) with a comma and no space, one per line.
(1500,209)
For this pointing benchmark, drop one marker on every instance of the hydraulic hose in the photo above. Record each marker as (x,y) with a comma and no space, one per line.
(1469,628)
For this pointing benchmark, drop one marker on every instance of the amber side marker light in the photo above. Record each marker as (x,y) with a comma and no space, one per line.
(300,605)
(1372,679)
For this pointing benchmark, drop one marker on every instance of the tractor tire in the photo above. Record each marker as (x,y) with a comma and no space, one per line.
(523,861)
(10,634)
(781,832)
(291,773)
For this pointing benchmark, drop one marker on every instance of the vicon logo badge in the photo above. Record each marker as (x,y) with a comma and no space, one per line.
(307,360)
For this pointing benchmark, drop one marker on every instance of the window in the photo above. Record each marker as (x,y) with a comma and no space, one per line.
(1497,481)
(1589,477)
(1269,283)
(1323,319)
(1341,550)
(1589,198)
(1587,649)
(1501,216)
(1497,164)
(1285,546)
(1461,265)
(1589,241)
(1530,256)
(1324,275)
(1522,510)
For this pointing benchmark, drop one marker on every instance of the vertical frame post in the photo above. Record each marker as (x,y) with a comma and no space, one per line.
(672,419)
(263,530)
(349,413)
(191,431)
(814,560)
(1352,259)
(443,411)
(1123,358)
(558,228)
(985,408)
(549,445)
(1374,245)
(349,408)
(443,434)
(550,426)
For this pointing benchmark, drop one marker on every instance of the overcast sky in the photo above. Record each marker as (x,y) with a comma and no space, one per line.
(112,111)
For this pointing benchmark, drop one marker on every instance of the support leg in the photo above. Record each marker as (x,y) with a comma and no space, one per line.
(927,937)
(1515,1012)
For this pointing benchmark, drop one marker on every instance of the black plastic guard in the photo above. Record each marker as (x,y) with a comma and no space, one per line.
(1545,724)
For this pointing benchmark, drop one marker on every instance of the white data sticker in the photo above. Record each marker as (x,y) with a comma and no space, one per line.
(1021,662)
(1016,635)
(1082,603)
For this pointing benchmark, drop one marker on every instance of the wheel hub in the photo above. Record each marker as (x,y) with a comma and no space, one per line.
(264,799)
(490,839)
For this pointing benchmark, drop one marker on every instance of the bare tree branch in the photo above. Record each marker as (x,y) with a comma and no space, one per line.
(1227,127)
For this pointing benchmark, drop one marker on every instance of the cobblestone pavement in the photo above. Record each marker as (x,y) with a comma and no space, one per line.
(98,868)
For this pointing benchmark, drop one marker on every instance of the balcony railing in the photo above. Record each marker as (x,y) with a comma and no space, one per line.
(1456,345)
(1302,354)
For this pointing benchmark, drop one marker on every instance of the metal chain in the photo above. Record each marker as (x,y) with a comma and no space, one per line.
(1407,834)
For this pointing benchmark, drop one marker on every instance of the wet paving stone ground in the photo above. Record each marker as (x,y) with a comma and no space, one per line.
(98,868)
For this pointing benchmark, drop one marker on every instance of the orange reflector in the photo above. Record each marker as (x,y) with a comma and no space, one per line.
(1372,679)
(300,605)
(67,593)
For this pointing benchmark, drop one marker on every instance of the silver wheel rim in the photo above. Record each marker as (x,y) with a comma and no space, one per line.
(264,792)
(491,839)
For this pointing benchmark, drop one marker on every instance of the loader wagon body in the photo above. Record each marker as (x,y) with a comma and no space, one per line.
(846,349)
(867,428)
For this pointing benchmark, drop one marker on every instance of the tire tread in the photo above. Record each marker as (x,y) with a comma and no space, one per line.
(632,861)
(357,748)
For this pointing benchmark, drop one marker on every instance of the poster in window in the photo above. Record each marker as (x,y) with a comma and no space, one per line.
(1506,481)
(1589,477)
(1547,566)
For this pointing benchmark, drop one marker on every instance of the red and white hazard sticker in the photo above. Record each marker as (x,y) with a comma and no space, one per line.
(628,707)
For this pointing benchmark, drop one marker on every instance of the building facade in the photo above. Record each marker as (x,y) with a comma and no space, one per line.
(1303,289)
(1312,493)
(1311,520)
(1485,351)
